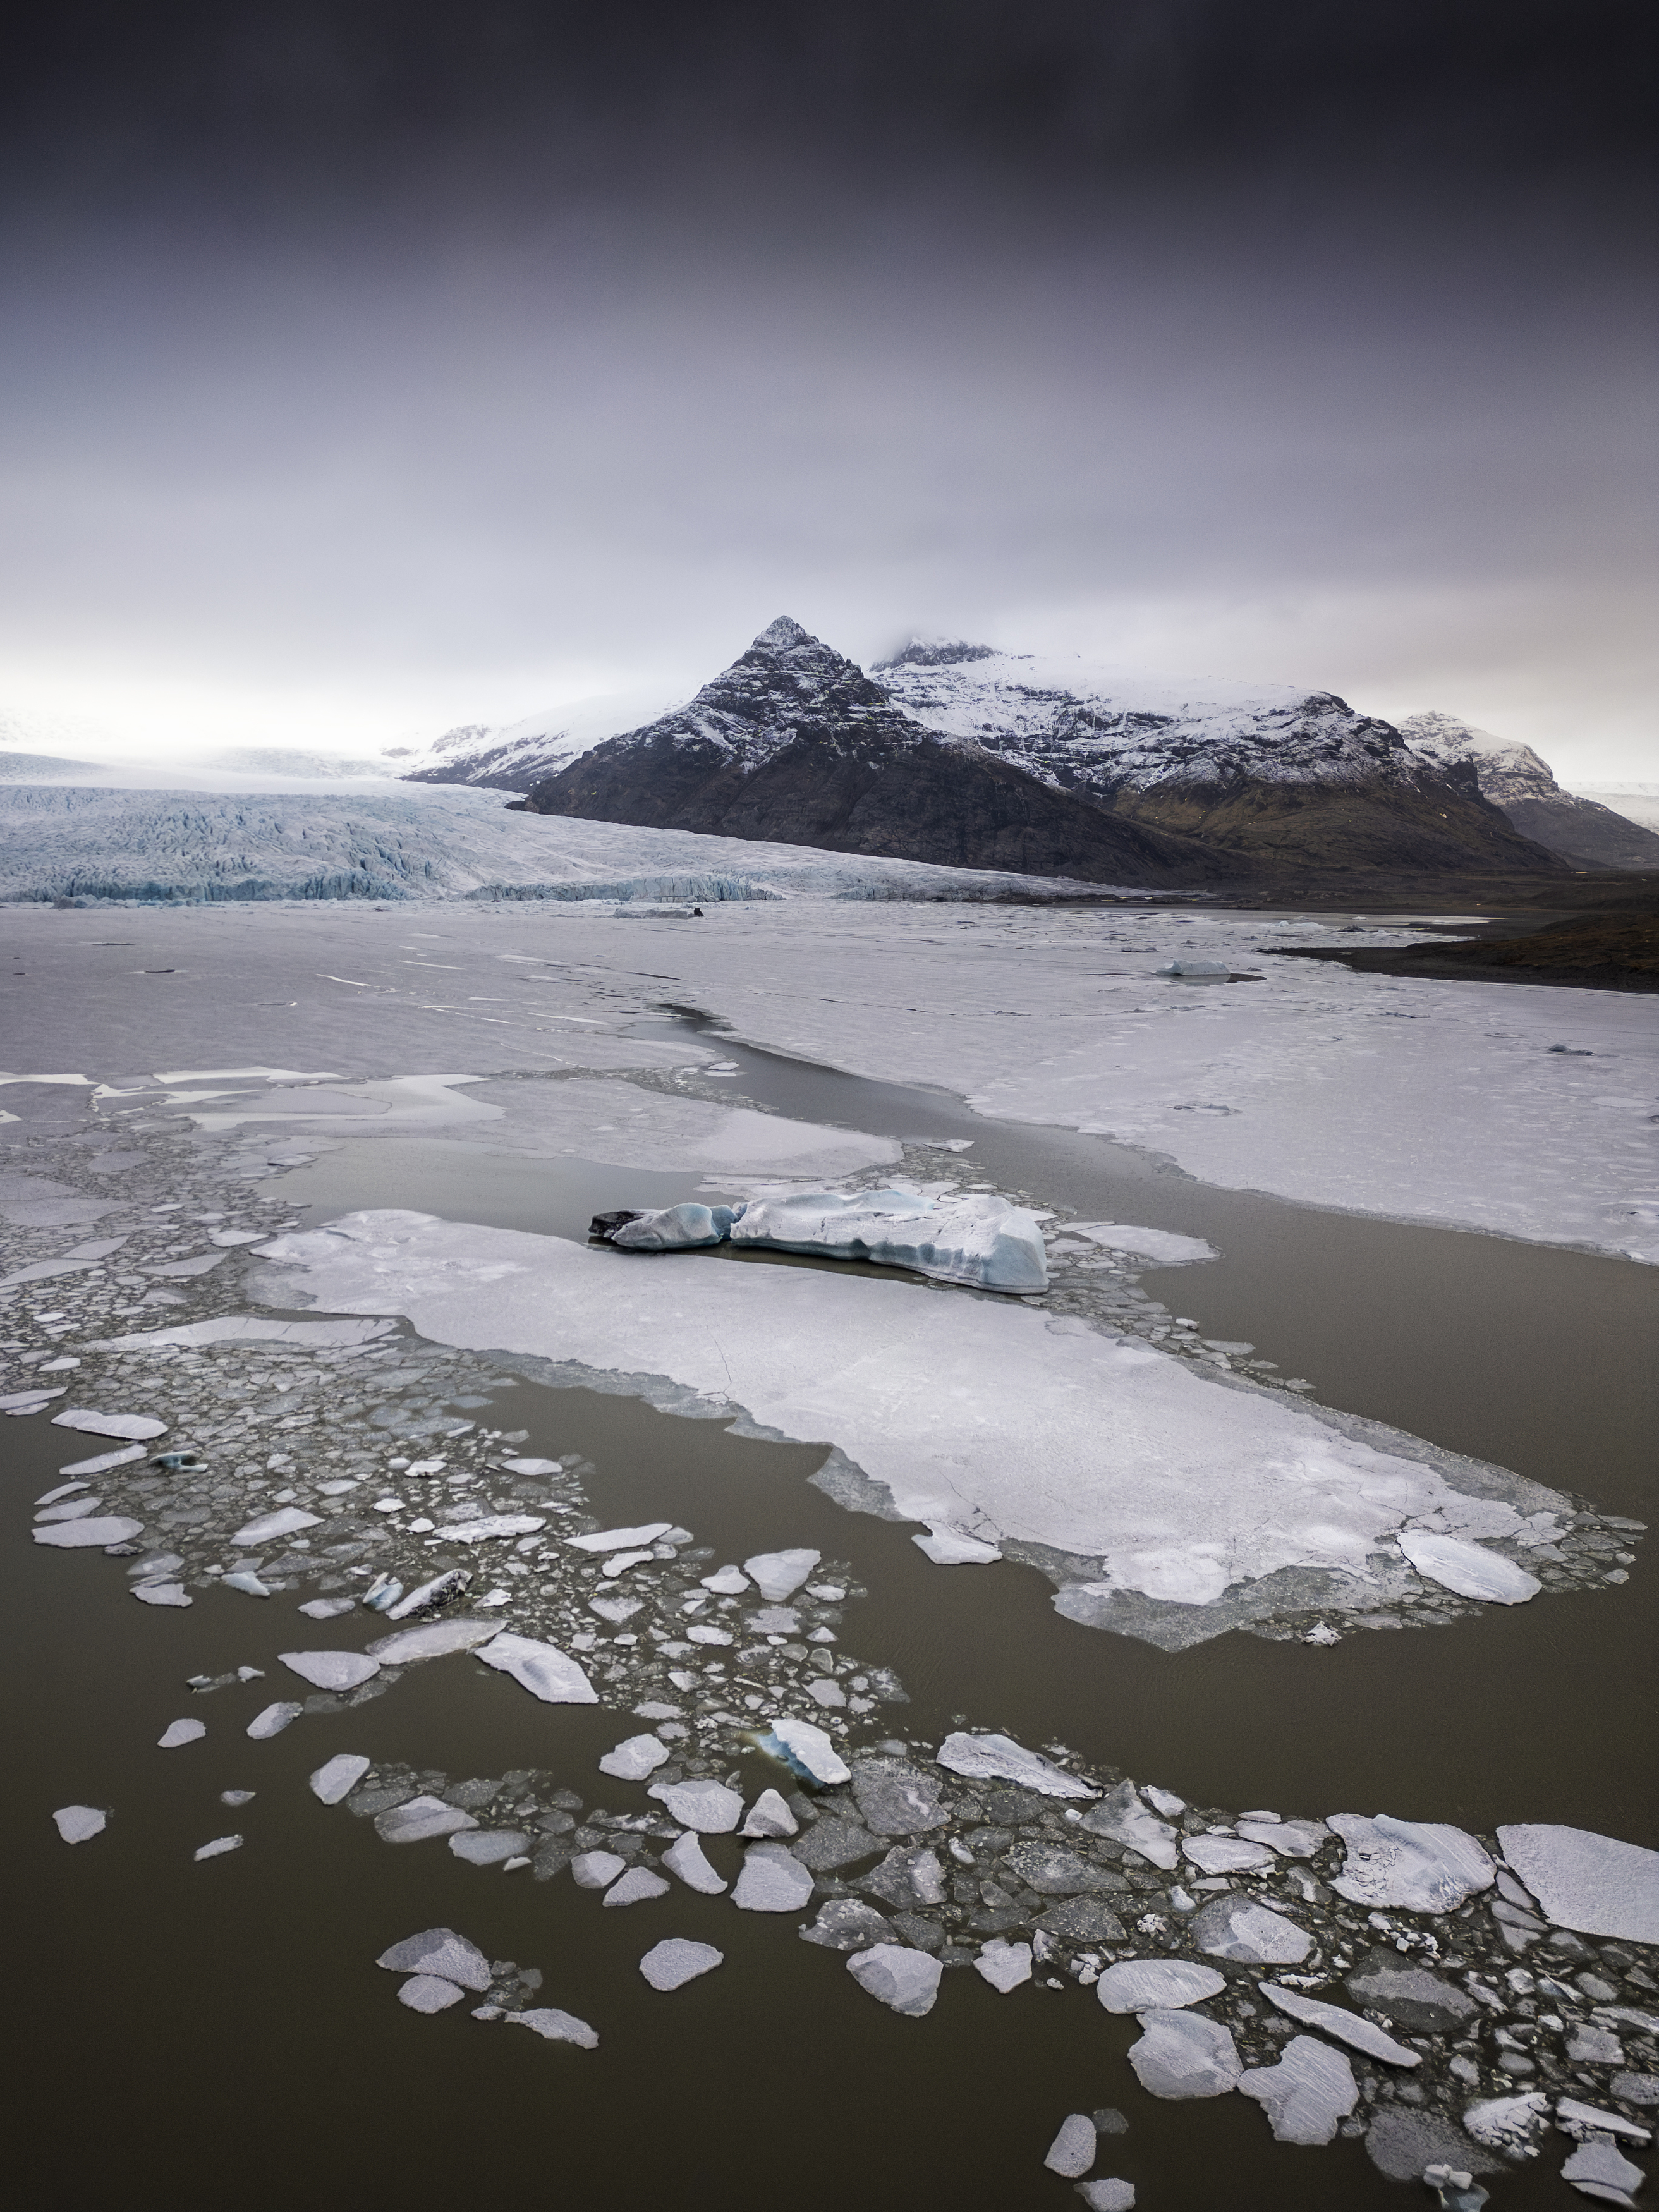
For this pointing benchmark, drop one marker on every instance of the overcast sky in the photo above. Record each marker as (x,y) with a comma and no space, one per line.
(370,367)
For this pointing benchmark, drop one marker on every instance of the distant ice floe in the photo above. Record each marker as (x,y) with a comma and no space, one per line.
(1142,1487)
(1164,1247)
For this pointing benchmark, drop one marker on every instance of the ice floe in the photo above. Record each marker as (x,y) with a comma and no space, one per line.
(1307,2093)
(178,1732)
(1073,2150)
(1598,2170)
(952,1548)
(635,1758)
(429,1993)
(554,2027)
(1241,1927)
(218,1847)
(338,1777)
(433,1639)
(327,1609)
(135,1427)
(265,1527)
(31,1401)
(488,1526)
(846,1924)
(1120,1815)
(1347,2026)
(273,1720)
(673,1963)
(1005,1965)
(1110,2195)
(772,1880)
(1183,2054)
(1575,2117)
(79,1824)
(1157,1984)
(637,1886)
(999,1758)
(332,1670)
(904,1980)
(84,1535)
(1422,1866)
(1594,1884)
(769,1816)
(102,1461)
(1166,1248)
(419,1820)
(779,1575)
(688,1860)
(596,1870)
(1468,1569)
(489,1846)
(807,1751)
(1225,1855)
(542,1668)
(896,1799)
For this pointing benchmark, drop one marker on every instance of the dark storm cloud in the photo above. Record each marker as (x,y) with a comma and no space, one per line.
(443,356)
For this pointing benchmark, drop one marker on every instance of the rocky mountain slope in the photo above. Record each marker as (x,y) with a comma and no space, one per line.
(513,756)
(1513,776)
(1279,776)
(796,743)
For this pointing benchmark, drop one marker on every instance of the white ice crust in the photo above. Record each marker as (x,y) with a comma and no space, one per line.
(1116,1455)
(1594,1884)
(1422,1866)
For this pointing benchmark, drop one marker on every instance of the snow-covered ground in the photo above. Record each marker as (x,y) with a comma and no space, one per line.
(1638,802)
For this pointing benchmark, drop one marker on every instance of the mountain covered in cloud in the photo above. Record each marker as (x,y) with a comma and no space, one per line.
(796,743)
(963,756)
(1514,777)
(513,756)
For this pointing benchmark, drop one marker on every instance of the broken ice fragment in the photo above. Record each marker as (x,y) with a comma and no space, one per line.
(1593,1883)
(1290,1839)
(330,1670)
(428,1993)
(542,1668)
(1347,2026)
(131,1426)
(779,1575)
(1004,1964)
(1182,2054)
(75,1509)
(490,1526)
(1073,2150)
(1110,2196)
(1468,1569)
(104,1461)
(1597,2169)
(1121,1816)
(596,1870)
(327,1609)
(218,1847)
(769,1816)
(489,1846)
(419,1820)
(637,1886)
(1226,1854)
(431,1596)
(1305,2095)
(1510,2125)
(247,1583)
(773,1880)
(433,1639)
(618,1540)
(274,1719)
(1240,1928)
(730,1582)
(613,1610)
(1421,1866)
(671,1964)
(906,1981)
(555,2026)
(1157,1985)
(79,1824)
(1575,2118)
(174,1594)
(83,1536)
(687,1859)
(708,1807)
(845,1924)
(287,1520)
(635,1758)
(806,1751)
(896,1799)
(338,1776)
(952,1548)
(998,1758)
(181,1732)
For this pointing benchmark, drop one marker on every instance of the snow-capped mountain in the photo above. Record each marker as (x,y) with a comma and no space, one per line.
(1514,777)
(796,743)
(513,756)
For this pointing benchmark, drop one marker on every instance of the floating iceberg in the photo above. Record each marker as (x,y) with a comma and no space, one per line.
(428,1993)
(132,1427)
(433,1639)
(969,1238)
(709,1807)
(179,1732)
(806,1751)
(1182,2054)
(542,1668)
(635,1758)
(79,1824)
(1157,1985)
(779,1575)
(675,1229)
(556,2027)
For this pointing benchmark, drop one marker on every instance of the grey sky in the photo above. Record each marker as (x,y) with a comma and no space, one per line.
(376,370)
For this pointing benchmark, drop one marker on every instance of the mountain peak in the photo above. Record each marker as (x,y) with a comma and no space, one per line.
(778,636)
(937,652)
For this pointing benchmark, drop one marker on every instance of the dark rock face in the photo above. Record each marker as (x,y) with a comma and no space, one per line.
(1584,832)
(794,744)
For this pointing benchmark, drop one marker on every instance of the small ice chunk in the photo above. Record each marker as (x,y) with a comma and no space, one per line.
(846,1924)
(75,1509)
(84,1535)
(654,1708)
(952,1548)
(773,1880)
(132,1427)
(542,1668)
(338,1777)
(63,1490)
(1290,1839)
(103,1461)
(79,1824)
(419,1820)
(999,1758)
(433,1639)
(618,1540)
(1468,1569)
(730,1582)
(1507,2124)
(1349,2028)
(531,1466)
(779,1575)
(1004,1964)
(237,1796)
(635,1758)
(1157,1985)
(247,1583)
(769,1816)
(1225,1855)
(1306,2094)
(489,1526)
(673,1963)
(327,1609)
(1597,2169)
(1073,2150)
(621,1561)
(687,1859)
(1577,2118)
(430,1597)
(637,1886)
(1241,1927)
(181,1732)
(273,1720)
(555,2026)
(218,1847)
(1109,2195)
(489,1846)
(596,1870)
(906,1981)
(1419,1866)
(1121,1816)
(774,1620)
(287,1520)
(1164,1802)
(1594,1884)
(616,1610)
(708,1807)
(330,1670)
(693,1635)
(159,1593)
(428,1993)
(807,1751)
(1183,2054)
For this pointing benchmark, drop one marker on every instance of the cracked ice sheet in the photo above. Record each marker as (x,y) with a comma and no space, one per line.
(976,1415)
(1309,1084)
